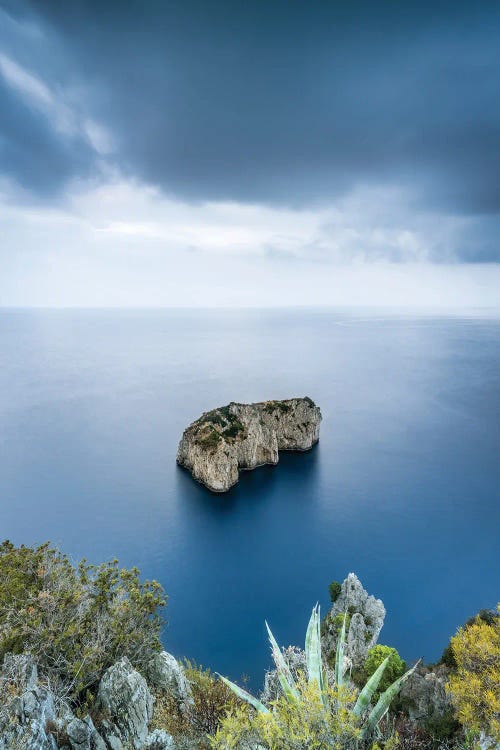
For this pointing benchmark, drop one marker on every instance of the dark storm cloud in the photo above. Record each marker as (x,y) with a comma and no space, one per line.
(276,102)
(33,153)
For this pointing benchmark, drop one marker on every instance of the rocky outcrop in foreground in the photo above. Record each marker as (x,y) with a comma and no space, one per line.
(127,712)
(365,617)
(423,697)
(244,436)
(29,719)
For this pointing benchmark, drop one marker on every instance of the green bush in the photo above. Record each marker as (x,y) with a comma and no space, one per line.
(294,726)
(310,713)
(447,658)
(210,439)
(337,622)
(376,655)
(216,425)
(473,686)
(273,406)
(334,588)
(234,429)
(76,621)
(442,726)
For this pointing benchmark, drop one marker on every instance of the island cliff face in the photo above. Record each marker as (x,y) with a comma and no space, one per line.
(244,436)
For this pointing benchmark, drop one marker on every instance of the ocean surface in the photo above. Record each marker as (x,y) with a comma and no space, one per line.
(403,488)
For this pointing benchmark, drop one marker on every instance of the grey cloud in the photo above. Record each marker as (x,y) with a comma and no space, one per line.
(276,102)
(32,153)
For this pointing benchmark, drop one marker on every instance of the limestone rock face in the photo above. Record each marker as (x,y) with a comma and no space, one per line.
(82,734)
(21,670)
(159,740)
(124,694)
(29,721)
(367,618)
(24,717)
(424,695)
(165,673)
(244,436)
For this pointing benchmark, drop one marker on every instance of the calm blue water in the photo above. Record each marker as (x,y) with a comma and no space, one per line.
(403,488)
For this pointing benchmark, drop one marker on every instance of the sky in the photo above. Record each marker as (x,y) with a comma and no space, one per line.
(249,153)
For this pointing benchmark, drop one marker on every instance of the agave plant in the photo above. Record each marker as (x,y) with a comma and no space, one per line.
(368,716)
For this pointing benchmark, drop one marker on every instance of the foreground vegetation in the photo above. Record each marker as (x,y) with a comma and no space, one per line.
(475,682)
(194,724)
(311,713)
(78,620)
(75,620)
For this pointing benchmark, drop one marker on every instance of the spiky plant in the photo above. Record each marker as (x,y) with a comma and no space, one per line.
(367,717)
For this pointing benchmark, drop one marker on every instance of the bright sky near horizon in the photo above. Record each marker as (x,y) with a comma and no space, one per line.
(249,153)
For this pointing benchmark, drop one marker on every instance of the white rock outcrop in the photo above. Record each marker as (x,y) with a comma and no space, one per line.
(26,709)
(367,616)
(244,436)
(124,695)
(165,673)
(425,696)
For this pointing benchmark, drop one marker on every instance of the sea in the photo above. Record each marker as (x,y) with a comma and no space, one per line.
(403,488)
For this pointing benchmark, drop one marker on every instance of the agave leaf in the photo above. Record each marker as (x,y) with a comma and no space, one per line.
(339,658)
(366,694)
(383,703)
(284,675)
(314,662)
(245,696)
(313,649)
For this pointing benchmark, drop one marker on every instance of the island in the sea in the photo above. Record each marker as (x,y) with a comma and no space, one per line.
(244,436)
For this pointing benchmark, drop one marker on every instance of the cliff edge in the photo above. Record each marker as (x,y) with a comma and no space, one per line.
(244,436)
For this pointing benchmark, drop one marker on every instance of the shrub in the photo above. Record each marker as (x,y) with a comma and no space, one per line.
(273,406)
(210,439)
(334,588)
(489,616)
(486,615)
(76,621)
(442,726)
(412,736)
(474,685)
(337,622)
(215,425)
(235,428)
(294,726)
(447,658)
(310,713)
(58,733)
(212,701)
(376,655)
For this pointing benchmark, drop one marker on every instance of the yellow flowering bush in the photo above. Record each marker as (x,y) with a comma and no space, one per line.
(311,714)
(303,725)
(475,685)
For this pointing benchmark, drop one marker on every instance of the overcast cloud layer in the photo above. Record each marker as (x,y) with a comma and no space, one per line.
(154,142)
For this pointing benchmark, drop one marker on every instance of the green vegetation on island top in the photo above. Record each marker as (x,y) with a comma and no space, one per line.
(217,425)
(223,424)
